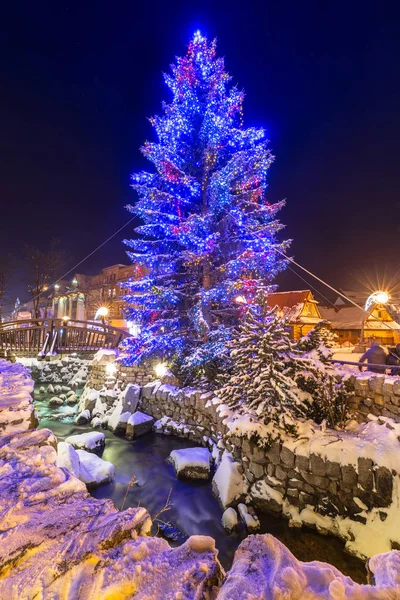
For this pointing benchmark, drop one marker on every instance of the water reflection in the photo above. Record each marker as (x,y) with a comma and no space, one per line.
(194,508)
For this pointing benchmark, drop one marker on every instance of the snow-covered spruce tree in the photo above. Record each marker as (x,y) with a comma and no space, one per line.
(320,339)
(208,235)
(261,379)
(276,380)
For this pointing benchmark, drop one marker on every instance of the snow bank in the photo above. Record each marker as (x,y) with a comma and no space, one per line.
(228,482)
(264,568)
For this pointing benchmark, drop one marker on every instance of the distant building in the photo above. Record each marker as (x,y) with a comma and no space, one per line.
(348,322)
(299,307)
(81,298)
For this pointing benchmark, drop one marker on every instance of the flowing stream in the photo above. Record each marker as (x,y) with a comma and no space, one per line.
(194,509)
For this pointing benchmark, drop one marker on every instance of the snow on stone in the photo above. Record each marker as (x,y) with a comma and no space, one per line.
(16,407)
(94,470)
(118,419)
(68,458)
(138,424)
(249,518)
(228,481)
(229,519)
(83,417)
(91,441)
(264,568)
(193,463)
(105,356)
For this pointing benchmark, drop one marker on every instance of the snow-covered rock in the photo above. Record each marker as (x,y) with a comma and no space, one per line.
(65,388)
(83,417)
(50,389)
(264,568)
(249,518)
(105,356)
(56,401)
(192,463)
(228,482)
(91,441)
(118,419)
(130,397)
(229,519)
(57,389)
(71,399)
(96,422)
(42,389)
(68,458)
(138,424)
(94,470)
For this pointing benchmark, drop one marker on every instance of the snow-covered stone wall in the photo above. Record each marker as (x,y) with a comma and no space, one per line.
(345,482)
(376,394)
(98,374)
(69,370)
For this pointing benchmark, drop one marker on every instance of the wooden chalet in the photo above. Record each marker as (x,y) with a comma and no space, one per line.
(299,307)
(348,322)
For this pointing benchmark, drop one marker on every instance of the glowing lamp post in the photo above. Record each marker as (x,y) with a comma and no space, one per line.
(378,297)
(160,369)
(102,313)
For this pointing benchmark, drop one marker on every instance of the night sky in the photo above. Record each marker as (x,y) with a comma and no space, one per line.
(78,80)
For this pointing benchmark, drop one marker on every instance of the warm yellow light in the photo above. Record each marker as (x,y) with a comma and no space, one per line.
(101,312)
(56,286)
(160,369)
(378,297)
(240,300)
(111,368)
(65,318)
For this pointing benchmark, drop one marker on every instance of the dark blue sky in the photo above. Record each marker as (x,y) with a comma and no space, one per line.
(78,80)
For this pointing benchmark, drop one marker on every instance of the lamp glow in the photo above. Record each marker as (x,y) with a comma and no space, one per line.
(65,318)
(111,369)
(160,369)
(240,300)
(101,312)
(378,297)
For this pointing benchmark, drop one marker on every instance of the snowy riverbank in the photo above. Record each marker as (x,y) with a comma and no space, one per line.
(59,541)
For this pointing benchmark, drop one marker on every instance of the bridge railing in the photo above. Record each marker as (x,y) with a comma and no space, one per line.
(43,335)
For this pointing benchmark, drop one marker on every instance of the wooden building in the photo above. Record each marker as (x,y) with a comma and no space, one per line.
(299,307)
(348,322)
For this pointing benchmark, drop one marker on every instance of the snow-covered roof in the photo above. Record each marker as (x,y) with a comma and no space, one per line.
(351,317)
(292,304)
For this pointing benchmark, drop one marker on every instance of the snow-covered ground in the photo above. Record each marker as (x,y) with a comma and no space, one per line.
(58,542)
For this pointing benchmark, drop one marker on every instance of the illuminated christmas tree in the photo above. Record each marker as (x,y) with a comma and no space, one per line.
(208,236)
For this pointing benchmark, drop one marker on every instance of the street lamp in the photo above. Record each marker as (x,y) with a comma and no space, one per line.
(160,369)
(101,314)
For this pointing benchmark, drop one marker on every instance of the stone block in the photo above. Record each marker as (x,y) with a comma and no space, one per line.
(317,465)
(349,476)
(280,473)
(365,473)
(379,399)
(273,454)
(287,457)
(316,481)
(332,469)
(138,424)
(384,485)
(302,463)
(256,469)
(376,383)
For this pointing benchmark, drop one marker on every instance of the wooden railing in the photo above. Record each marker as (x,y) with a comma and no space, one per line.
(53,336)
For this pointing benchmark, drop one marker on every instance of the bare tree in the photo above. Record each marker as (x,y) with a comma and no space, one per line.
(44,267)
(4,269)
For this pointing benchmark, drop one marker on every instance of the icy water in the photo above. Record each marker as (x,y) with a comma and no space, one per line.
(194,508)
